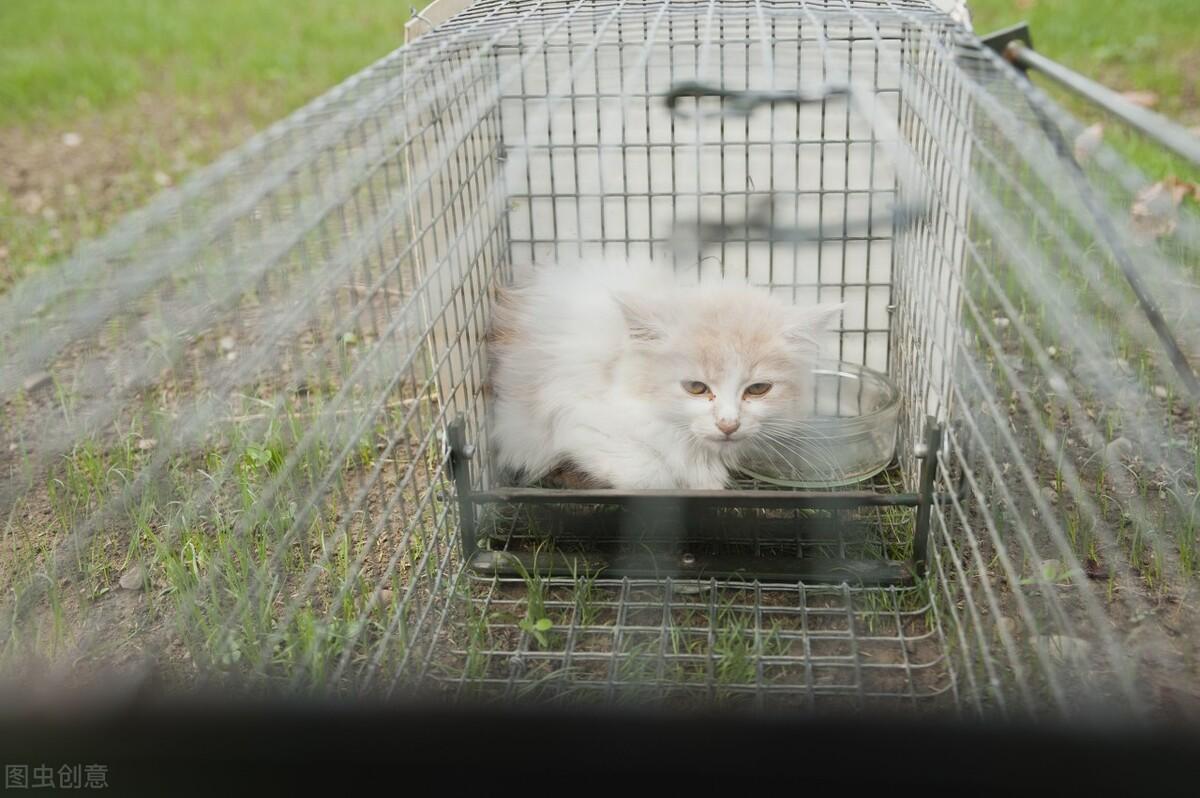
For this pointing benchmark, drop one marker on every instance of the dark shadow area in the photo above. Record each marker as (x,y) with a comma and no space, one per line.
(214,745)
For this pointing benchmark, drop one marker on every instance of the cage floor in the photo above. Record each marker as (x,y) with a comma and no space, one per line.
(820,646)
(679,639)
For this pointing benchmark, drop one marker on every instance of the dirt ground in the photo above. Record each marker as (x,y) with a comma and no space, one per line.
(61,183)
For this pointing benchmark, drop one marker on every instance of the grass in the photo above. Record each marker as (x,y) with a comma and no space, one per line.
(62,58)
(102,104)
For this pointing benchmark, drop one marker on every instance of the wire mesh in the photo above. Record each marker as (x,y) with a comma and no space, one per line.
(224,443)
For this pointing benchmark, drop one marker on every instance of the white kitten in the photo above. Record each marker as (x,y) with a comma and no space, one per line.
(640,382)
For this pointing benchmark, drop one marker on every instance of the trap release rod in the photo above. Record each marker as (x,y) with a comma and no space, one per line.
(1167,133)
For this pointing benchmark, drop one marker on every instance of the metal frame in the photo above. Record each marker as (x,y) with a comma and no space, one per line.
(690,517)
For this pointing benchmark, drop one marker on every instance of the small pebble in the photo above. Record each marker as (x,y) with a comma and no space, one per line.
(146,444)
(134,578)
(385,597)
(162,178)
(1001,322)
(1052,351)
(1053,571)
(30,202)
(1160,391)
(72,139)
(33,382)
(227,343)
(1119,449)
(688,588)
(1007,624)
(1050,493)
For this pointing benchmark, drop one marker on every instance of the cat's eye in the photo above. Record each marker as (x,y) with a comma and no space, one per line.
(758,389)
(695,388)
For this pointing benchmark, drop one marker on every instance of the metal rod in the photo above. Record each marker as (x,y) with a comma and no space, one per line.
(1108,232)
(461,453)
(1158,127)
(714,498)
(694,566)
(932,445)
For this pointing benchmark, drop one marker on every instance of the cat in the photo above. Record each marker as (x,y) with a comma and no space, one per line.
(621,375)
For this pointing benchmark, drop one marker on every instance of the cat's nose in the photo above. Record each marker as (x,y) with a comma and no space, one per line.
(728,427)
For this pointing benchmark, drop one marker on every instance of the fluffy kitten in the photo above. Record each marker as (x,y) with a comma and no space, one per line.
(638,382)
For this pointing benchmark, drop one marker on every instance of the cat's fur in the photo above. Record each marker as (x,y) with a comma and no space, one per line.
(589,362)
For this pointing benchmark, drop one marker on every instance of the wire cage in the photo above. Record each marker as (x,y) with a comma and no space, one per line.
(664,131)
(267,392)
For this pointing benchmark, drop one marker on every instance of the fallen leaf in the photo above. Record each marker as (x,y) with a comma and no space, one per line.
(1155,210)
(1182,187)
(1088,142)
(1145,99)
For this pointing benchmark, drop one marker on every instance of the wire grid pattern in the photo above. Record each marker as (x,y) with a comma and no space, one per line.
(677,641)
(602,167)
(262,362)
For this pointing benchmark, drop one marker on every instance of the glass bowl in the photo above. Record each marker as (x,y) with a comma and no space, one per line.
(845,434)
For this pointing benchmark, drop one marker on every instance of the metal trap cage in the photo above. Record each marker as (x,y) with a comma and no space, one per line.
(732,140)
(791,172)
(265,395)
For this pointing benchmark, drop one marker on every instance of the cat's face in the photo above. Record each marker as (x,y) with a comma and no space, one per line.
(727,364)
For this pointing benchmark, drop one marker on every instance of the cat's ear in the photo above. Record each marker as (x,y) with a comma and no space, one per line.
(807,324)
(643,318)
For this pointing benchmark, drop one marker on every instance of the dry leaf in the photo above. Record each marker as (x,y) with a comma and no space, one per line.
(1088,142)
(1181,188)
(1155,210)
(1146,99)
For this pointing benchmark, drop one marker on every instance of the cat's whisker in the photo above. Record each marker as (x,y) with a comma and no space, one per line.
(823,456)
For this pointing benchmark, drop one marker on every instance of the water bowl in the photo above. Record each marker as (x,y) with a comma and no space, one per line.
(843,433)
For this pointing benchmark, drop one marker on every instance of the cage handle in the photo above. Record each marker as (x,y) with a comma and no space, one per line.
(758,224)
